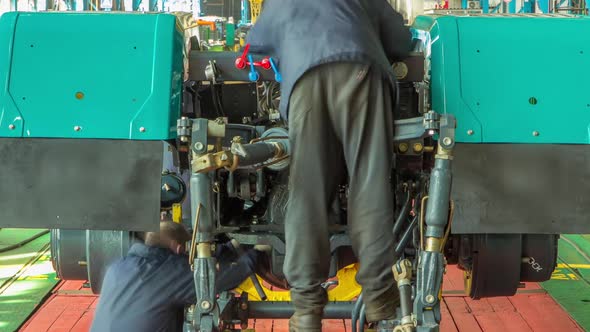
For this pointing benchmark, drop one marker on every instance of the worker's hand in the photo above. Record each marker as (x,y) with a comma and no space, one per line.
(232,275)
(179,248)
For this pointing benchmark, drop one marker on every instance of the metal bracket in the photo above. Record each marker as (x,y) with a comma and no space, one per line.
(418,127)
(408,129)
(447,125)
(274,241)
(432,120)
(183,128)
(212,161)
(199,135)
(428,283)
(402,272)
(207,310)
(212,72)
(423,96)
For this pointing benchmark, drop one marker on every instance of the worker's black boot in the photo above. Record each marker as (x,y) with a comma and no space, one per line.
(305,323)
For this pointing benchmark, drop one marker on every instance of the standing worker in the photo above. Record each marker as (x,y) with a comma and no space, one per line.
(338,93)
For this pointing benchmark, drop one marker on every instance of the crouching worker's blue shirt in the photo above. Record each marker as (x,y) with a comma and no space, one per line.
(145,291)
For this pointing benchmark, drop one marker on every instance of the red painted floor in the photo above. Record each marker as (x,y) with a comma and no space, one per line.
(71,308)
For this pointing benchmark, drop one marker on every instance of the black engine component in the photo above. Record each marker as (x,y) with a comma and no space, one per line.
(237,102)
(173,191)
(408,101)
(246,132)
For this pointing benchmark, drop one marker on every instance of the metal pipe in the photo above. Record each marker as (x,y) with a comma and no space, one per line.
(257,153)
(405,296)
(258,287)
(437,210)
(362,318)
(408,234)
(356,311)
(284,310)
(201,194)
(402,272)
(403,215)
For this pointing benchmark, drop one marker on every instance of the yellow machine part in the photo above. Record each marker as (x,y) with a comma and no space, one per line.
(467,282)
(346,290)
(255,8)
(177,213)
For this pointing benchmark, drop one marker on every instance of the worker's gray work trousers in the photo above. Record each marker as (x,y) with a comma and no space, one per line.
(340,123)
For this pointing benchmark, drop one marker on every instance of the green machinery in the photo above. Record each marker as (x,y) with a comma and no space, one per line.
(100,138)
(510,79)
(109,82)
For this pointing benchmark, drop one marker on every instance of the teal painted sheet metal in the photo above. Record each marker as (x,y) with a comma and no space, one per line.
(510,79)
(90,75)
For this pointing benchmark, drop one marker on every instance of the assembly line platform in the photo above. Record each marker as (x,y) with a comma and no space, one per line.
(71,308)
(33,300)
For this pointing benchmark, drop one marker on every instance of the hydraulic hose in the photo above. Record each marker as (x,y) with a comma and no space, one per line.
(403,215)
(257,153)
(356,312)
(405,295)
(362,318)
(401,245)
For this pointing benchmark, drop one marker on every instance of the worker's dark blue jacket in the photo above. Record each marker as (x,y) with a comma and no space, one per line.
(302,34)
(148,289)
(145,291)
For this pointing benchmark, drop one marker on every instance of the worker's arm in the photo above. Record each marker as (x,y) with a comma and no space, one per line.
(185,283)
(395,36)
(232,274)
(262,35)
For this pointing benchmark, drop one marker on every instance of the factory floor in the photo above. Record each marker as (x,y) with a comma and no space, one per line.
(33,300)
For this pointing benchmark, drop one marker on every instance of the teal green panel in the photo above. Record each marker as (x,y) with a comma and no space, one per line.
(111,75)
(510,79)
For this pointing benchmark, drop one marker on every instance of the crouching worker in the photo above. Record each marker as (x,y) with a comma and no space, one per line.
(148,289)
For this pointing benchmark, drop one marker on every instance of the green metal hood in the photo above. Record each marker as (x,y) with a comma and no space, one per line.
(90,75)
(510,79)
